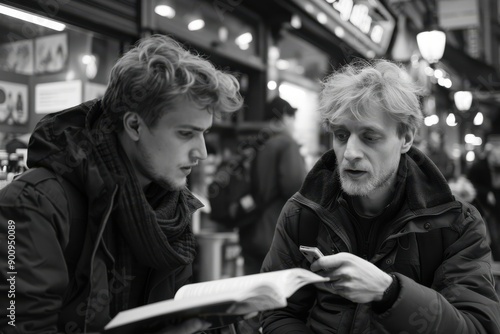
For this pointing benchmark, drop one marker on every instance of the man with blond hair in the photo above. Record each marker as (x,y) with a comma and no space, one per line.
(403,255)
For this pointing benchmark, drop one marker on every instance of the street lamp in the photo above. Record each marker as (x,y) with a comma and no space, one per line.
(431,43)
(463,100)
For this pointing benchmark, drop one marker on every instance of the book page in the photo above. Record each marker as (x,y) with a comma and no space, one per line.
(174,311)
(283,282)
(218,302)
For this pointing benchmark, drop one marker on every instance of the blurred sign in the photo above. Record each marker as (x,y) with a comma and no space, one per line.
(458,14)
(366,26)
(56,96)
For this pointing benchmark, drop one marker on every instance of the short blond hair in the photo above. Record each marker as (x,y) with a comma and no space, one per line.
(355,87)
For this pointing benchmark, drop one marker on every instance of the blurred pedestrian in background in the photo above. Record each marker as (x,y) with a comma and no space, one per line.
(436,151)
(485,177)
(276,173)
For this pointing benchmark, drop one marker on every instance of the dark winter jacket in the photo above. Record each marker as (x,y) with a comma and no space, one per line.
(62,285)
(277,173)
(457,297)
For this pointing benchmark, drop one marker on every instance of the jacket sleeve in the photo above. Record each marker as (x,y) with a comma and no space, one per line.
(462,298)
(283,254)
(32,232)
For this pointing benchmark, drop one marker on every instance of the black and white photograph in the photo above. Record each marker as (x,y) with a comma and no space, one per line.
(250,166)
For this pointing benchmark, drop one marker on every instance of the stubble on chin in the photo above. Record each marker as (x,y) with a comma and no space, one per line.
(352,189)
(170,185)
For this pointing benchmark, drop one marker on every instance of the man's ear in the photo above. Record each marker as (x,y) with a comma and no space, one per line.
(132,125)
(408,141)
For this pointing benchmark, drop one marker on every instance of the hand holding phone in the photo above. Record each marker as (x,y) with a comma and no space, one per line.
(310,253)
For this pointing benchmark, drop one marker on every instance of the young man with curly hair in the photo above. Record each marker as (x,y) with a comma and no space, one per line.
(102,218)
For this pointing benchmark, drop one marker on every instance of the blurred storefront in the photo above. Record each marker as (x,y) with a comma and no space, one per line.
(53,55)
(48,64)
(272,47)
(462,70)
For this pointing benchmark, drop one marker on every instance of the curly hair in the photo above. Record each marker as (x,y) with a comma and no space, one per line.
(357,87)
(156,72)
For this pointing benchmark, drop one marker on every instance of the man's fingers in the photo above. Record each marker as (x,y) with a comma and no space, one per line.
(327,263)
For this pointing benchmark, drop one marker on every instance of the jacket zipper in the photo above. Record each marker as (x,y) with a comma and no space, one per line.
(319,210)
(94,251)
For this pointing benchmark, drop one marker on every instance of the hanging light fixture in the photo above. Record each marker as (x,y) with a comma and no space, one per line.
(166,9)
(463,100)
(196,24)
(451,120)
(478,119)
(195,21)
(431,43)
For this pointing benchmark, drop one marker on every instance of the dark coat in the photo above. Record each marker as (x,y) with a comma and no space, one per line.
(55,293)
(480,176)
(458,297)
(277,173)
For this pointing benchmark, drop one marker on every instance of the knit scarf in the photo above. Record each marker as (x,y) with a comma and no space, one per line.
(155,227)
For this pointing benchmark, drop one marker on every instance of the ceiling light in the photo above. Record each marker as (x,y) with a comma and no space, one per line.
(273,53)
(244,39)
(470,156)
(431,45)
(244,46)
(196,24)
(451,120)
(339,31)
(322,18)
(463,100)
(223,34)
(42,21)
(282,64)
(432,41)
(479,118)
(272,85)
(431,120)
(165,10)
(295,21)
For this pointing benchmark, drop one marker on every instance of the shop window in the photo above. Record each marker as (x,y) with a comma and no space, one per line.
(299,57)
(45,70)
(209,24)
(300,68)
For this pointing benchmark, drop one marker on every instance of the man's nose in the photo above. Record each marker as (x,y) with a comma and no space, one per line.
(200,151)
(353,148)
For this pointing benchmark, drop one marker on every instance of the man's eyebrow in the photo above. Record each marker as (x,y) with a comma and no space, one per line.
(194,128)
(372,128)
(337,126)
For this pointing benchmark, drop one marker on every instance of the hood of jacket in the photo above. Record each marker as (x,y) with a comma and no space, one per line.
(64,142)
(425,185)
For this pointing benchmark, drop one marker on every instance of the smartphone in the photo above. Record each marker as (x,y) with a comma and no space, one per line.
(310,253)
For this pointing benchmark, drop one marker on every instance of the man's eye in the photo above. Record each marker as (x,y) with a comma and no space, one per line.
(371,138)
(341,136)
(185,134)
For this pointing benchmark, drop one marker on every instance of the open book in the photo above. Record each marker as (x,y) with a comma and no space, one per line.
(220,302)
